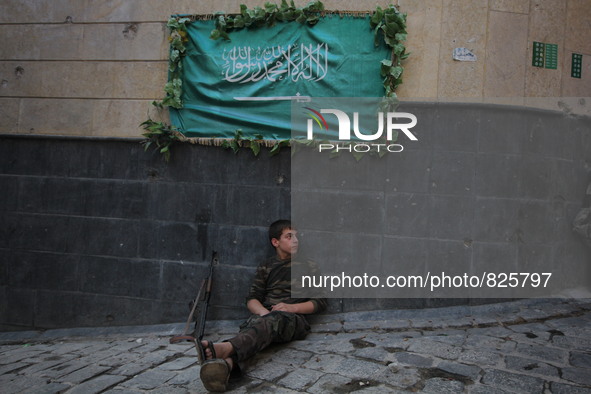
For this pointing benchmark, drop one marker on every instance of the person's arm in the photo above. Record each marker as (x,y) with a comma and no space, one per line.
(255,307)
(304,308)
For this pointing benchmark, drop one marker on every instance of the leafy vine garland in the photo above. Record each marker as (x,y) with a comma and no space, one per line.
(388,25)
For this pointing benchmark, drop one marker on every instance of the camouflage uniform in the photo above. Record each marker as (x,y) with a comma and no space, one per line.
(272,285)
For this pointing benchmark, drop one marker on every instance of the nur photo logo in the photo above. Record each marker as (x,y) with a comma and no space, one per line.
(354,131)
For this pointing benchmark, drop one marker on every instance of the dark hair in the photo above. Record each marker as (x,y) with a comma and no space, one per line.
(276,228)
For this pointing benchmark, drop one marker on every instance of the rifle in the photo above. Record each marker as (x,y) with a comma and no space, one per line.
(199,309)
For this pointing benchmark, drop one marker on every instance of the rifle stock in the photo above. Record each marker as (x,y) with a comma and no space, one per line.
(199,309)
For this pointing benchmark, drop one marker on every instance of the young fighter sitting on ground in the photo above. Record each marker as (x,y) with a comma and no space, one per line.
(276,317)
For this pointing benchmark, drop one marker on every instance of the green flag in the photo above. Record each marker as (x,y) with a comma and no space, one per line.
(249,83)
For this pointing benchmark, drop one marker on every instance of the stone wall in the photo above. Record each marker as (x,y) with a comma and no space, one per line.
(98,232)
(95,231)
(92,67)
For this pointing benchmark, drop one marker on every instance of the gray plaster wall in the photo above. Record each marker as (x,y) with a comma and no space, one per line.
(97,232)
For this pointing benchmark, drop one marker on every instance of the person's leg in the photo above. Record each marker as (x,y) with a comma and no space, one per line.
(257,333)
(261,331)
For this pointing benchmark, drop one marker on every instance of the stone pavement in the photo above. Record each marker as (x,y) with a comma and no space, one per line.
(529,346)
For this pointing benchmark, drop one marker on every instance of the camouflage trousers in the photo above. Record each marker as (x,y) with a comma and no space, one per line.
(258,332)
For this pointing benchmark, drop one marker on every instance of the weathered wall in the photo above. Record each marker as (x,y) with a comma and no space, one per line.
(95,232)
(98,232)
(92,68)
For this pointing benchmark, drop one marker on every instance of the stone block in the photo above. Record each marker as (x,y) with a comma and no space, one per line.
(29,11)
(452,173)
(421,68)
(411,359)
(54,116)
(186,202)
(528,366)
(543,353)
(537,178)
(494,257)
(437,349)
(120,118)
(463,25)
(480,357)
(513,382)
(125,277)
(67,79)
(122,11)
(70,41)
(119,238)
(408,172)
(451,217)
(407,215)
(495,220)
(97,384)
(455,128)
(9,110)
(506,54)
(577,375)
(37,270)
(251,205)
(579,359)
(498,175)
(9,186)
(441,385)
(516,6)
(39,232)
(403,378)
(168,240)
(329,383)
(546,24)
(300,379)
(149,380)
(502,131)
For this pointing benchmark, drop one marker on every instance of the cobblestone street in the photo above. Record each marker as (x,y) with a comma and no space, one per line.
(519,347)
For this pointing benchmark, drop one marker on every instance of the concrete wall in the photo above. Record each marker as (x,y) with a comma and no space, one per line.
(92,67)
(96,232)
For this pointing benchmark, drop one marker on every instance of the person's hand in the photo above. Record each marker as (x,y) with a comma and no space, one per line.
(283,307)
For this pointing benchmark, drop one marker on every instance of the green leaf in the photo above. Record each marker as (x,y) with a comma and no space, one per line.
(312,20)
(238,22)
(284,6)
(396,71)
(255,147)
(275,149)
(173,23)
(235,146)
(270,7)
(221,23)
(376,18)
(300,17)
(398,49)
(215,34)
(385,67)
(358,155)
(390,29)
(376,36)
(400,36)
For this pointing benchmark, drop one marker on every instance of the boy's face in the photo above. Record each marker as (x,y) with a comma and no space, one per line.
(287,244)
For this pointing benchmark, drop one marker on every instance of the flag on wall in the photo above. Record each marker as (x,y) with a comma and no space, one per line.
(248,83)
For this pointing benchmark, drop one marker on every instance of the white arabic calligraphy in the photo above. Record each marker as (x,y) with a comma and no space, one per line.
(244,64)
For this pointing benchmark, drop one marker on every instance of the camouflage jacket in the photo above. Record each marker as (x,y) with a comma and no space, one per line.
(272,285)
